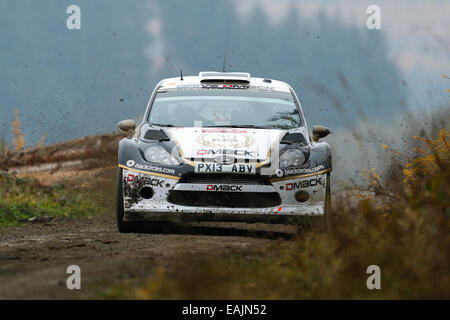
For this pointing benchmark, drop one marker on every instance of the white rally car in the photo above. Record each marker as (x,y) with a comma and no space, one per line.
(222,147)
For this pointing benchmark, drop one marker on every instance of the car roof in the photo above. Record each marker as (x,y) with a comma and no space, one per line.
(225,78)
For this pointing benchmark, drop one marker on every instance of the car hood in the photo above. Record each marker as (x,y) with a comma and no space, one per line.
(242,143)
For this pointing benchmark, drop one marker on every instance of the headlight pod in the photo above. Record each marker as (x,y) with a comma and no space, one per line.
(292,157)
(158,154)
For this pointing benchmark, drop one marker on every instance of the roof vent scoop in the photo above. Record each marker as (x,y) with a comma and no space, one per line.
(224,77)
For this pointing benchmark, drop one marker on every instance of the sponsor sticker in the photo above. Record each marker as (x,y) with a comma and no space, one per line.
(303,184)
(290,171)
(224,187)
(153,168)
(223,168)
(215,152)
(223,130)
(235,141)
(224,86)
(142,180)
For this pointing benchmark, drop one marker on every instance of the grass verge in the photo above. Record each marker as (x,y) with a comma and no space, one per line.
(22,199)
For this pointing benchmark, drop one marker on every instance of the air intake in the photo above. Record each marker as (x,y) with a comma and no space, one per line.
(224,77)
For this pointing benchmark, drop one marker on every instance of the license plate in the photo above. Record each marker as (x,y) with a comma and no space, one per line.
(225,168)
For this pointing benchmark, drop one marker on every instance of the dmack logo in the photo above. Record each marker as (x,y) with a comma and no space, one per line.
(204,152)
(303,184)
(144,180)
(223,187)
(224,86)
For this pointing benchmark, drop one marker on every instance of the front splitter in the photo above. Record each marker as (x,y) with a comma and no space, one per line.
(281,215)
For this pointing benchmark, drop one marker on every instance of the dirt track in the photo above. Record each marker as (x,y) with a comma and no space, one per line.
(34,258)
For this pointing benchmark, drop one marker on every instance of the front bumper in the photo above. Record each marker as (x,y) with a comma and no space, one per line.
(160,207)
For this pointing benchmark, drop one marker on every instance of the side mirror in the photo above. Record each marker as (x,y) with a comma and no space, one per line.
(320,132)
(127,125)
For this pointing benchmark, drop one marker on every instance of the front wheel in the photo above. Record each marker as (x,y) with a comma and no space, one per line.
(125,226)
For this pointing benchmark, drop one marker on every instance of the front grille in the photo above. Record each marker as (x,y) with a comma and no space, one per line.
(225,178)
(224,199)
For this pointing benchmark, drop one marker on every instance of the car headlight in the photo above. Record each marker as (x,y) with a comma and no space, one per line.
(158,154)
(292,157)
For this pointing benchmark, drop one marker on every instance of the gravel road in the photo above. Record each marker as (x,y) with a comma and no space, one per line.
(34,257)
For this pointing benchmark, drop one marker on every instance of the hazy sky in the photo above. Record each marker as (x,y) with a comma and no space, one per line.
(71,83)
(417,32)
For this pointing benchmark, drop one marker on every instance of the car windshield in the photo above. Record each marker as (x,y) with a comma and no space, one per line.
(225,108)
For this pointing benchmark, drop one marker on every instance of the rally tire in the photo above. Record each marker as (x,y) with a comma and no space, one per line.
(125,226)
